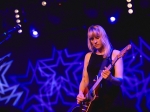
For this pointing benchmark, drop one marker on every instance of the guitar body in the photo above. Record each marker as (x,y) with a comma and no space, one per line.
(85,106)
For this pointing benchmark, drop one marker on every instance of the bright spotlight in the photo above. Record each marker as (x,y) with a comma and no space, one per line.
(112,19)
(128,0)
(16,11)
(44,3)
(18,21)
(130,11)
(129,5)
(17,16)
(34,33)
(20,31)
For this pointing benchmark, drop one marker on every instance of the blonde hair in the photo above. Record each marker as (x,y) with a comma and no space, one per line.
(97,30)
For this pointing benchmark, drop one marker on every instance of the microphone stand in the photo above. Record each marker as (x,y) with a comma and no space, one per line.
(6,35)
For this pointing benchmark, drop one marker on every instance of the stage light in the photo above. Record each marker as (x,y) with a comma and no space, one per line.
(20,31)
(18,21)
(44,3)
(128,0)
(130,11)
(16,11)
(112,19)
(34,33)
(59,4)
(129,5)
(17,15)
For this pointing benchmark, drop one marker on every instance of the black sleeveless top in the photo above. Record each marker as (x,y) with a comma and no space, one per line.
(110,95)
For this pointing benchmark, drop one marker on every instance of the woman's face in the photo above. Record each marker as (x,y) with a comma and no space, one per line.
(96,41)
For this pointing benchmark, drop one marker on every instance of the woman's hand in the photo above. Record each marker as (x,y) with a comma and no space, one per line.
(106,74)
(80,97)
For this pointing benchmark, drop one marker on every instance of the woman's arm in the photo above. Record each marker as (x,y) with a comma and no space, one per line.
(85,79)
(117,79)
(118,76)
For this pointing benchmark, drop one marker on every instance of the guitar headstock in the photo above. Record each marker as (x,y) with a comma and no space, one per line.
(122,53)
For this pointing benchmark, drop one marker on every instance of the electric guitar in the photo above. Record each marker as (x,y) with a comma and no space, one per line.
(91,95)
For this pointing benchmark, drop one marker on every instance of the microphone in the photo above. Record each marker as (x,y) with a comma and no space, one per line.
(6,35)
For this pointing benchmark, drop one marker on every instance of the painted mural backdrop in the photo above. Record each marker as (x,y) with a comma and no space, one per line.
(51,84)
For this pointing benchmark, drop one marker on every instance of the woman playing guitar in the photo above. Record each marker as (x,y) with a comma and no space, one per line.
(107,96)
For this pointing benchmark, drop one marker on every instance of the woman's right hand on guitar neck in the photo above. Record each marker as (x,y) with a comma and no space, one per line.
(80,97)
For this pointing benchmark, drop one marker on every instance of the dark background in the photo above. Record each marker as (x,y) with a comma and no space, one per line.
(45,71)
